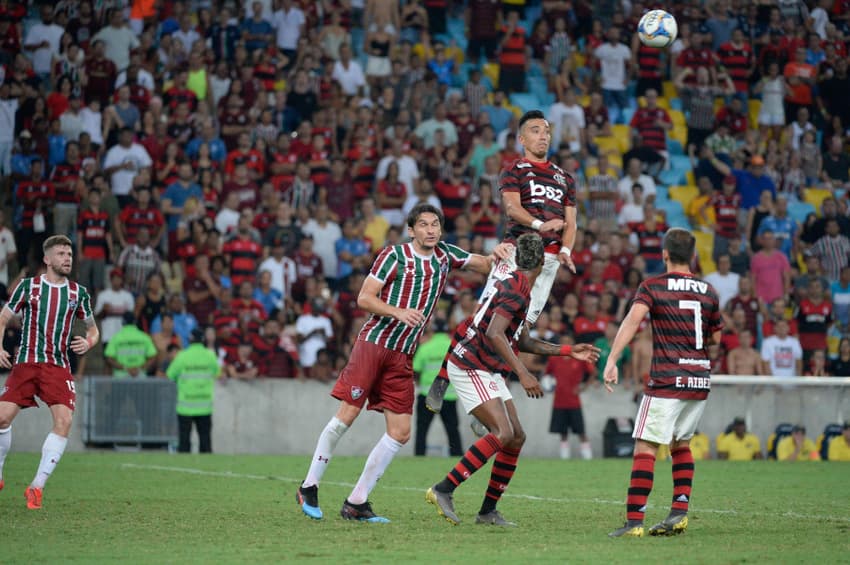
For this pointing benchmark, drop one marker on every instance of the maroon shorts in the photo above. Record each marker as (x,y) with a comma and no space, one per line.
(51,383)
(382,376)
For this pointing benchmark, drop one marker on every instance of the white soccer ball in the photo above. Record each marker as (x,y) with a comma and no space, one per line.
(547,383)
(657,28)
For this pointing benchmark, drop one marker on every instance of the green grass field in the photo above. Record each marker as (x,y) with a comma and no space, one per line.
(158,508)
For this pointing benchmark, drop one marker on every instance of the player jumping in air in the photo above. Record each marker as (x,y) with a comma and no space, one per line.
(400,293)
(538,196)
(685,318)
(48,304)
(477,359)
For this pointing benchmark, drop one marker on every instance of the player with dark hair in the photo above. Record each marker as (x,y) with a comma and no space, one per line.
(478,357)
(538,196)
(685,318)
(401,292)
(48,305)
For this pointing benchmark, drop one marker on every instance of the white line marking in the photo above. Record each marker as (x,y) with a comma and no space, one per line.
(231,475)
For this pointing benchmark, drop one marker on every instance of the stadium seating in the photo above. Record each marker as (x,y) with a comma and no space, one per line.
(816,196)
(754,109)
(668,90)
(623,135)
(782,430)
(705,250)
(683,194)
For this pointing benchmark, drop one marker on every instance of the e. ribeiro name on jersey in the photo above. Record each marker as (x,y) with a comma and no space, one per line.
(544,190)
(509,298)
(684,312)
(410,281)
(47,317)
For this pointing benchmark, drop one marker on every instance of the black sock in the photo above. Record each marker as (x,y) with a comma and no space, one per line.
(445,486)
(488,505)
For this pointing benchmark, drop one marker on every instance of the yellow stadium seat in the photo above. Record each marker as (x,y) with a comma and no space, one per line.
(705,250)
(816,196)
(607,144)
(692,180)
(754,105)
(668,89)
(718,103)
(615,159)
(679,133)
(591,172)
(677,117)
(683,194)
(491,71)
(623,134)
(578,60)
(584,101)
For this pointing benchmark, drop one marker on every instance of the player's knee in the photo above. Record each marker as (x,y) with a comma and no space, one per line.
(62,424)
(504,434)
(400,435)
(517,439)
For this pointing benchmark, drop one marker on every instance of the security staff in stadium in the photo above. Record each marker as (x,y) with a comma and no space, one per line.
(195,371)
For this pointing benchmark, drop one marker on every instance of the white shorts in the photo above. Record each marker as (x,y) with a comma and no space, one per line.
(661,420)
(474,388)
(542,286)
(771,119)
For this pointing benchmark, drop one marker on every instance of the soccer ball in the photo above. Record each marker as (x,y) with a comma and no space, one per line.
(657,28)
(547,383)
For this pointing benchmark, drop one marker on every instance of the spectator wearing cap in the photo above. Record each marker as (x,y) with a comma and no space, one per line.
(739,444)
(131,352)
(839,446)
(797,447)
(42,42)
(118,40)
(111,305)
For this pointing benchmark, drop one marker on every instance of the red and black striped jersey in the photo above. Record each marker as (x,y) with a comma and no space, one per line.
(93,228)
(64,178)
(726,212)
(644,121)
(738,62)
(134,218)
(684,312)
(813,320)
(649,62)
(244,257)
(650,241)
(453,198)
(473,350)
(544,190)
(30,195)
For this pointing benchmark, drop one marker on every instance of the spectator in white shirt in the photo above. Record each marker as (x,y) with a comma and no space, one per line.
(634,176)
(288,22)
(724,281)
(314,330)
(123,162)
(8,111)
(781,353)
(614,58)
(186,35)
(228,217)
(42,41)
(567,119)
(8,250)
(408,170)
(282,269)
(325,232)
(348,73)
(118,40)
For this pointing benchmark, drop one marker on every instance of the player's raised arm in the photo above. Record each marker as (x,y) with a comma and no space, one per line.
(625,334)
(497,336)
(484,263)
(580,351)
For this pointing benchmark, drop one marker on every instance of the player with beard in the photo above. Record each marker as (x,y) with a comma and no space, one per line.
(48,305)
(477,359)
(538,197)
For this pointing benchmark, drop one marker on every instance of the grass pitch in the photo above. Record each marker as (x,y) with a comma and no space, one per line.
(158,508)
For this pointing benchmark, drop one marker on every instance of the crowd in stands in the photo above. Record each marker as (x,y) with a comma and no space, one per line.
(236,165)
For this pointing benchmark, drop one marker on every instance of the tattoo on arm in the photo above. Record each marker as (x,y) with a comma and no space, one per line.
(528,344)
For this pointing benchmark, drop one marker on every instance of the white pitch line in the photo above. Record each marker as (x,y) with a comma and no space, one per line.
(231,475)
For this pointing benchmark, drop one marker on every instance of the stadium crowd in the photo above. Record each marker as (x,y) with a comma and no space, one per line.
(236,165)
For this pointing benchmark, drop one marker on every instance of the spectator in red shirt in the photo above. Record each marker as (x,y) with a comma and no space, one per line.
(243,253)
(276,361)
(570,376)
(94,242)
(201,290)
(590,325)
(35,196)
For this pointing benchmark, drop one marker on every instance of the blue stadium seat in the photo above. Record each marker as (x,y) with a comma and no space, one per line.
(830,432)
(680,162)
(782,430)
(524,101)
(674,146)
(673,176)
(676,104)
(671,208)
(799,210)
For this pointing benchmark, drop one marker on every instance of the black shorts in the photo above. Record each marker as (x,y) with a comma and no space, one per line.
(567,419)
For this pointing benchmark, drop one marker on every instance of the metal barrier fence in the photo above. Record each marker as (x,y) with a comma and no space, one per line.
(136,411)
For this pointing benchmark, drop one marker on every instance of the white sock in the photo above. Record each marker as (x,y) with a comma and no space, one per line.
(5,446)
(586,452)
(378,461)
(324,450)
(51,453)
(565,450)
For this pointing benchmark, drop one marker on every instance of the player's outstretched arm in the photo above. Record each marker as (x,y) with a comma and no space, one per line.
(80,345)
(484,263)
(496,334)
(369,300)
(581,351)
(625,334)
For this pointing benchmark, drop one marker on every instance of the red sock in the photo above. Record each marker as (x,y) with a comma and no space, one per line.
(475,458)
(683,477)
(503,471)
(643,467)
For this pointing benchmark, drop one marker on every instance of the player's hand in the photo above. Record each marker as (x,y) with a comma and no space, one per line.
(80,345)
(531,385)
(612,376)
(5,359)
(555,225)
(567,262)
(585,352)
(503,250)
(410,317)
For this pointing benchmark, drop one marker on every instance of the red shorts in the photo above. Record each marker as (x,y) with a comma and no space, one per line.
(382,376)
(51,383)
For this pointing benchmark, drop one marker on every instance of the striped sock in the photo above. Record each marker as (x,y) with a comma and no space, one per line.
(475,458)
(503,471)
(683,478)
(643,466)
